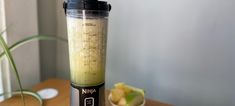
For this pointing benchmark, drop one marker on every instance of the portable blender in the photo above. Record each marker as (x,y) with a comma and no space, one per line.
(87,22)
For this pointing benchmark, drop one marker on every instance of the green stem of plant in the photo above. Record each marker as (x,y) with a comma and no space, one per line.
(13,65)
(7,52)
(29,39)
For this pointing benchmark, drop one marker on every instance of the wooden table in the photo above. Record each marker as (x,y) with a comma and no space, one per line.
(63,99)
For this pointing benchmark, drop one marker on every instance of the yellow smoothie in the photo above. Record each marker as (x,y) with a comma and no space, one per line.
(87,50)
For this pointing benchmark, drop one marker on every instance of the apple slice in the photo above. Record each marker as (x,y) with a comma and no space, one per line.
(122,102)
(134,99)
(127,89)
(123,86)
(116,95)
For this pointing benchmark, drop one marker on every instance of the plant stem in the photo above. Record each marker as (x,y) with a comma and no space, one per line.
(13,65)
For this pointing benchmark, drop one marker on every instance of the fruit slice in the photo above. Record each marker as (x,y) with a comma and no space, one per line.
(141,91)
(124,87)
(127,89)
(116,95)
(125,95)
(122,102)
(134,99)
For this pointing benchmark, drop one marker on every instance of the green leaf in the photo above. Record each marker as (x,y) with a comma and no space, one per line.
(32,38)
(26,92)
(10,58)
(12,62)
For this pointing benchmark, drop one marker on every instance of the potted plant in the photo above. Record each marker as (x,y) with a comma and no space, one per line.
(7,52)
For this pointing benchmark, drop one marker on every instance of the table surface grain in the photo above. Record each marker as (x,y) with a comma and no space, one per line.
(63,99)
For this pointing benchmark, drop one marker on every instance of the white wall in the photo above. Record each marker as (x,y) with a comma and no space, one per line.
(22,21)
(179,51)
(5,85)
(1,25)
(62,62)
(47,26)
(53,55)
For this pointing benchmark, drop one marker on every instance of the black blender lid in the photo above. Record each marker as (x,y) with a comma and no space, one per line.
(87,5)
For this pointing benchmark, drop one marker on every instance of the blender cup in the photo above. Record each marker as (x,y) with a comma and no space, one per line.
(87,22)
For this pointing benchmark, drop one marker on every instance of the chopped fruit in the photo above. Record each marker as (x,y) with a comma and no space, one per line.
(123,87)
(122,102)
(136,89)
(134,99)
(117,94)
(119,85)
(125,95)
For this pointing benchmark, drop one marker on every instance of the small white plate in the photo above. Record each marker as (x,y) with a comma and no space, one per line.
(48,93)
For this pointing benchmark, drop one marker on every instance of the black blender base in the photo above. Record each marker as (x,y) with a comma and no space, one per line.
(87,96)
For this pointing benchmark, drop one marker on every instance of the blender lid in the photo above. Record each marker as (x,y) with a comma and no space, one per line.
(87,5)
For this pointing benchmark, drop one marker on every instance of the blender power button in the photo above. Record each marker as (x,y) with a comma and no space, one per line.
(89,101)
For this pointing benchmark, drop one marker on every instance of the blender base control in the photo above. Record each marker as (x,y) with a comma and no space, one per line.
(89,101)
(87,96)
